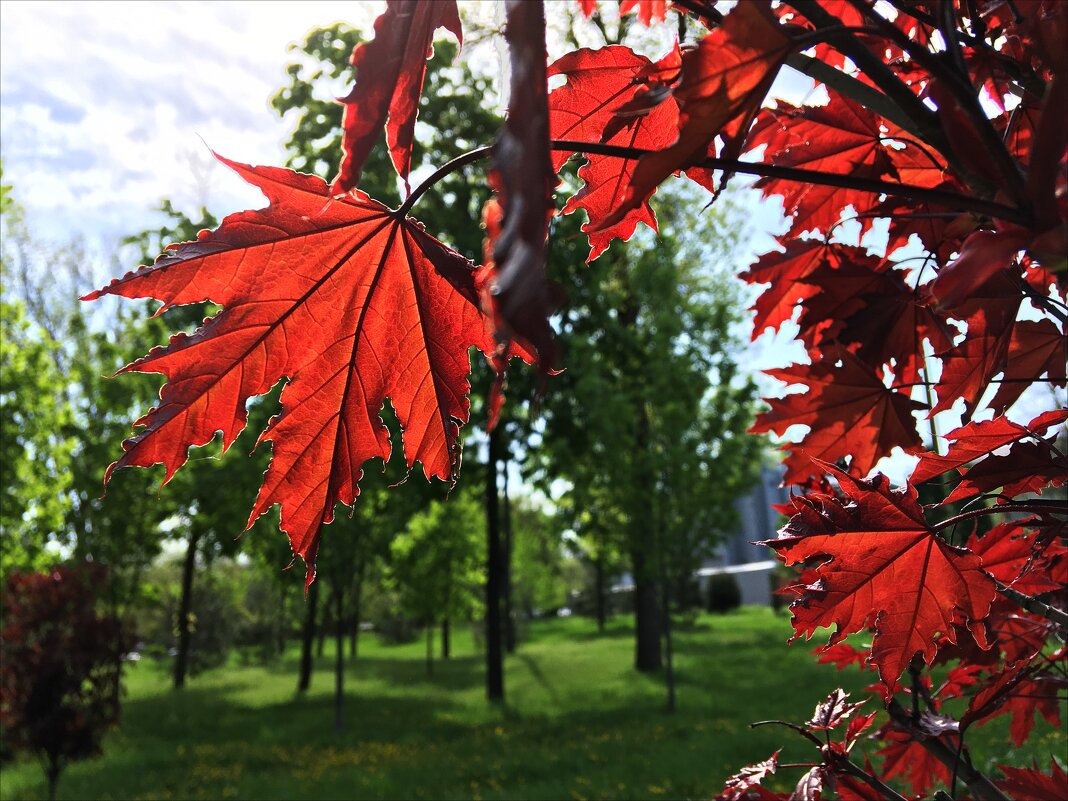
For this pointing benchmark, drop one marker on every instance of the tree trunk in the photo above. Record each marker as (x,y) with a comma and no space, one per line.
(668,647)
(52,772)
(646,616)
(283,594)
(598,568)
(429,648)
(339,661)
(494,652)
(311,601)
(445,649)
(506,521)
(324,627)
(357,598)
(185,608)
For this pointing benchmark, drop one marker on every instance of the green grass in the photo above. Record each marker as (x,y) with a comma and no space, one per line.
(579,722)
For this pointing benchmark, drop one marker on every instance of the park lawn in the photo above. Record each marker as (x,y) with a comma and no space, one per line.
(579,722)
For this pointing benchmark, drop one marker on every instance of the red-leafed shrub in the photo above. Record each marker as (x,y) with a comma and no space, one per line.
(61,668)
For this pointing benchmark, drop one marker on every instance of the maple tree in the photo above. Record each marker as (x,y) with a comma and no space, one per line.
(944,129)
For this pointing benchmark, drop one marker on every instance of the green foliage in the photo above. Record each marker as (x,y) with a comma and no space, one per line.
(35,452)
(436,562)
(540,565)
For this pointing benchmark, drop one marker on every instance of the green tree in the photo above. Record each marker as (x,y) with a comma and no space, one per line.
(436,563)
(647,425)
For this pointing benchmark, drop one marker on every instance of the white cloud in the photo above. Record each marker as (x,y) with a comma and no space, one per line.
(105,105)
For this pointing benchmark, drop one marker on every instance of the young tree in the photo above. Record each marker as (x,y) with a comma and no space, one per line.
(61,668)
(944,119)
(437,565)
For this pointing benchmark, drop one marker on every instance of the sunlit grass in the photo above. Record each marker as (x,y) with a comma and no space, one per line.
(580,723)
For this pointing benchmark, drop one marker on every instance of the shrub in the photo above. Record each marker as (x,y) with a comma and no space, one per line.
(61,668)
(723,593)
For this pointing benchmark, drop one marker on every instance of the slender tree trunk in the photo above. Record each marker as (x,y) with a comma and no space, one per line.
(429,647)
(324,627)
(52,772)
(445,648)
(646,616)
(308,637)
(185,608)
(494,652)
(669,648)
(339,661)
(598,568)
(357,598)
(506,521)
(283,594)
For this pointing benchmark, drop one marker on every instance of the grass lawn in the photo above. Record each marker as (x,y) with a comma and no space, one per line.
(579,722)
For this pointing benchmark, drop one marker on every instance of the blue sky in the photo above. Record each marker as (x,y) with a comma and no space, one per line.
(106,107)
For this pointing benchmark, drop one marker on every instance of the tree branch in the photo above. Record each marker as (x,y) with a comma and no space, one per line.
(1035,606)
(893,188)
(980,786)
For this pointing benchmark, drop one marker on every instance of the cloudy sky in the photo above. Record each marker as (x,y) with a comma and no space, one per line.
(106,107)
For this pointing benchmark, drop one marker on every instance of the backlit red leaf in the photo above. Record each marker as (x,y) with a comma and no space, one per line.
(852,414)
(602,87)
(1033,784)
(738,785)
(1036,347)
(351,303)
(976,440)
(881,567)
(841,137)
(724,80)
(389,79)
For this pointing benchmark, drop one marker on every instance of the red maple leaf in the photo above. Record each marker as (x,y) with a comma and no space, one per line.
(784,272)
(389,79)
(348,300)
(841,138)
(519,296)
(1027,467)
(867,306)
(1036,347)
(613,91)
(851,412)
(976,440)
(882,567)
(724,80)
(1014,555)
(1031,783)
(969,366)
(832,711)
(906,758)
(739,785)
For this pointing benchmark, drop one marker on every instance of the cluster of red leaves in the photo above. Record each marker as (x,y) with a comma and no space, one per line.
(945,119)
(61,665)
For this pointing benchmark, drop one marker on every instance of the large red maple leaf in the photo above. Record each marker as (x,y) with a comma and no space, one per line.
(617,97)
(347,299)
(389,79)
(881,567)
(851,412)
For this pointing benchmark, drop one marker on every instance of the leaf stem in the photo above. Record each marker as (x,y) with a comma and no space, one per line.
(462,160)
